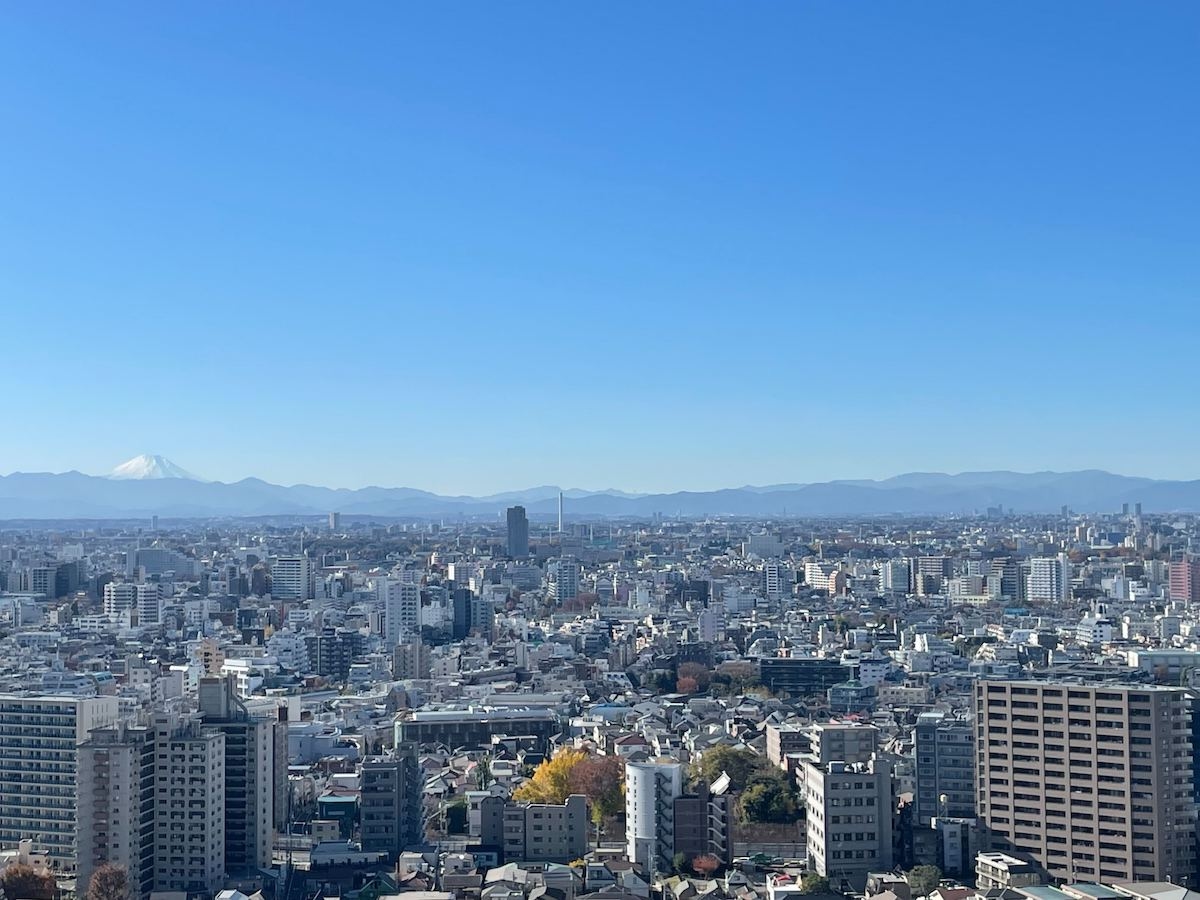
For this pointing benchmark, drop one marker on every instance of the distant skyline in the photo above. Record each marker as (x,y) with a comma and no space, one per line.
(652,248)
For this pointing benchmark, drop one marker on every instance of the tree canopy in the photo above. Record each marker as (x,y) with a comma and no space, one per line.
(108,882)
(923,880)
(26,883)
(599,778)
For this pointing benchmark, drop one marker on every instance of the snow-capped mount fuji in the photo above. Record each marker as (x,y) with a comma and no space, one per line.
(150,466)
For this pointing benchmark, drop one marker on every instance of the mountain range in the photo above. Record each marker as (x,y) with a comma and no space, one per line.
(152,485)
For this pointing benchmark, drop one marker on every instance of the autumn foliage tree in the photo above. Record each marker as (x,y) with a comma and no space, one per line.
(23,882)
(599,778)
(698,673)
(551,781)
(108,882)
(705,865)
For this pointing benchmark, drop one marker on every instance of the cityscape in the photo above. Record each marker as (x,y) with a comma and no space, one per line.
(519,450)
(356,706)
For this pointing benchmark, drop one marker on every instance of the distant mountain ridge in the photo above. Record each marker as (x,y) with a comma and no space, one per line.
(154,486)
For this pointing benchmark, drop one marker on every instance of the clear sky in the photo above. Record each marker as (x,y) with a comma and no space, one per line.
(478,246)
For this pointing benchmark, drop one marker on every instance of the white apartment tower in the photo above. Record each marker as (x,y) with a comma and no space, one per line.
(401,605)
(650,792)
(566,579)
(1049,579)
(39,765)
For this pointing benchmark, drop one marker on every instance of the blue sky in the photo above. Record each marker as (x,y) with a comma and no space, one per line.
(479,246)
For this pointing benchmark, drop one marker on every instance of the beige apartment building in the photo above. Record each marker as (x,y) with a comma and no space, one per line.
(1093,782)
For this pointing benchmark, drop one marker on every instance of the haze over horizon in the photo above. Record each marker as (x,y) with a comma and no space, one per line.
(638,247)
(150,466)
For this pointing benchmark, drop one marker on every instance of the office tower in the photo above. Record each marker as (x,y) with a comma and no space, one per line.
(189,806)
(335,521)
(560,512)
(254,774)
(390,807)
(55,580)
(1183,580)
(1092,781)
(945,751)
(778,579)
(401,604)
(536,832)
(650,792)
(116,806)
(1049,580)
(565,585)
(518,532)
(39,758)
(292,578)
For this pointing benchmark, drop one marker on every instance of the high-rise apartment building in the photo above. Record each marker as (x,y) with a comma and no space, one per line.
(255,774)
(401,605)
(189,806)
(1184,580)
(39,765)
(116,806)
(518,532)
(390,809)
(778,579)
(292,578)
(650,792)
(142,601)
(945,751)
(1049,579)
(565,585)
(1094,782)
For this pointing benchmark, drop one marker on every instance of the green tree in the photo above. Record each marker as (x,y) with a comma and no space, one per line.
(812,883)
(923,880)
(456,818)
(740,765)
(770,797)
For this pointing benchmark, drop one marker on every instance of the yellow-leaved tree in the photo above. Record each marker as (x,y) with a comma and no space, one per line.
(551,781)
